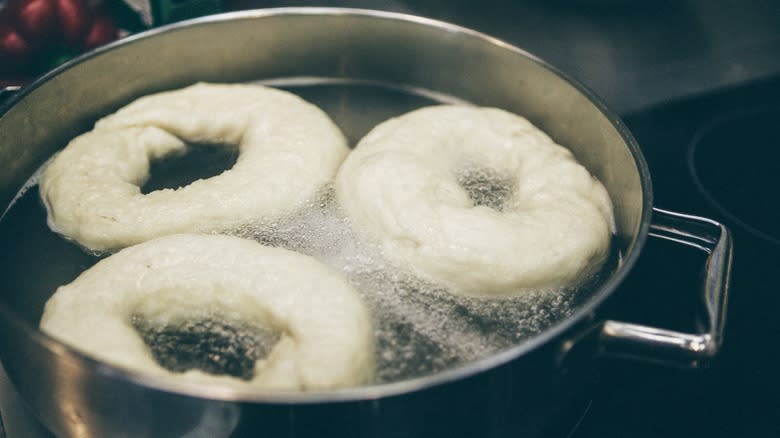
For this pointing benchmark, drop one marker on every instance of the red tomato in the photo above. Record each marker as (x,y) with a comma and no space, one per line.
(75,19)
(35,19)
(101,32)
(15,51)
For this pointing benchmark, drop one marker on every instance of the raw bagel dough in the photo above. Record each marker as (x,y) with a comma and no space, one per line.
(400,187)
(288,149)
(326,341)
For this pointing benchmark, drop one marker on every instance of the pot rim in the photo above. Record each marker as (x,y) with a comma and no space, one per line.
(373,391)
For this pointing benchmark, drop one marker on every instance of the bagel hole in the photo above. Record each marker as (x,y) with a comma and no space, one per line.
(486,187)
(200,161)
(211,345)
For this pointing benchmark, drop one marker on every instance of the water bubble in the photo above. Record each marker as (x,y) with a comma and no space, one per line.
(420,328)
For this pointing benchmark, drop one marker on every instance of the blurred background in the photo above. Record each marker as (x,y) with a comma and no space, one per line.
(632,53)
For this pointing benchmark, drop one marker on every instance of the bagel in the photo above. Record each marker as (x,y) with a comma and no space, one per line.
(288,149)
(325,341)
(403,188)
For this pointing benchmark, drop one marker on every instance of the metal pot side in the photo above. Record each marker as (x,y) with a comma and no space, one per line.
(519,391)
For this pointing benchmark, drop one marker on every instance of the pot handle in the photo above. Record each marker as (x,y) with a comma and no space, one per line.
(668,346)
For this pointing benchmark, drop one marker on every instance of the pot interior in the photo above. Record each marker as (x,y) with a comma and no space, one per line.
(360,67)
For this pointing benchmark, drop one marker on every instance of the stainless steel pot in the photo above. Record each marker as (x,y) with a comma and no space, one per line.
(518,392)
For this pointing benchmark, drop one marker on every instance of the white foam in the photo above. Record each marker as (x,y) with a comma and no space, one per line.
(420,328)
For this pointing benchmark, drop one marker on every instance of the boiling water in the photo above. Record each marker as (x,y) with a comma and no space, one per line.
(419,328)
(213,345)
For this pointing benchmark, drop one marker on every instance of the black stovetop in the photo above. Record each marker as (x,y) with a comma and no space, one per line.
(716,155)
